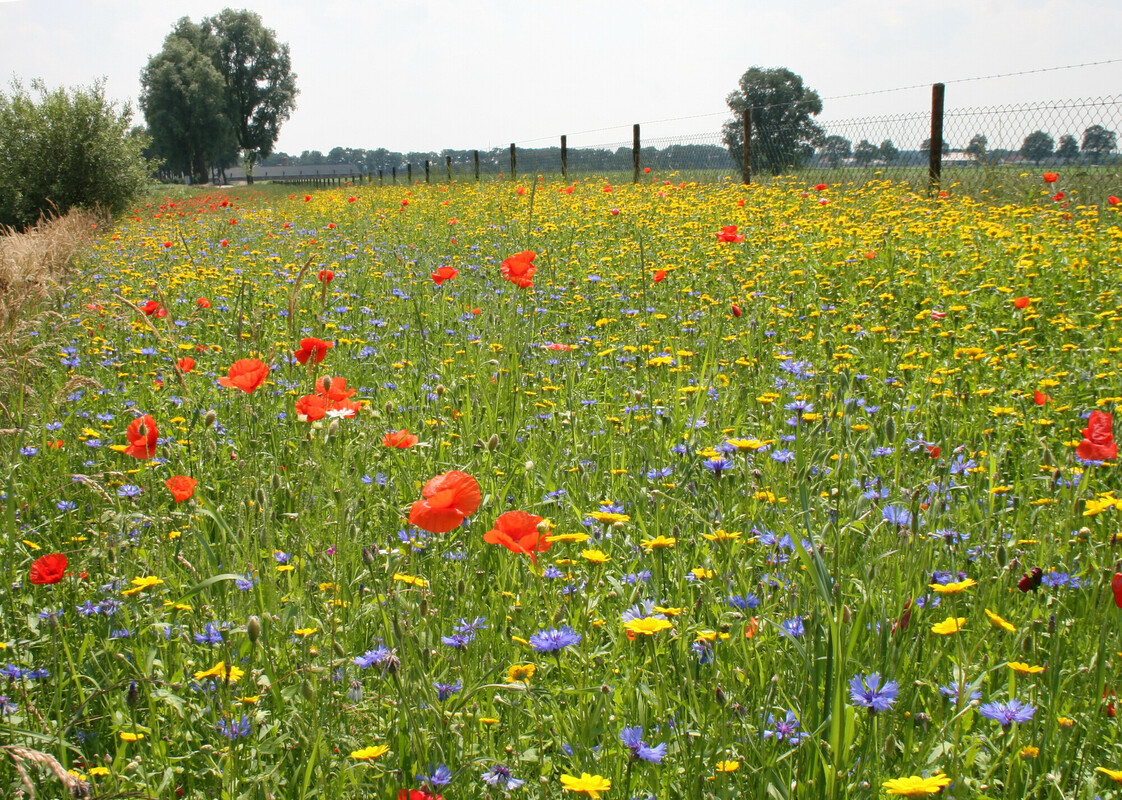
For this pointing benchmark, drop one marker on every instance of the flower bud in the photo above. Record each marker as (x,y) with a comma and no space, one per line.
(493,443)
(132,698)
(333,428)
(440,390)
(367,556)
(308,689)
(389,406)
(210,418)
(253,628)
(326,384)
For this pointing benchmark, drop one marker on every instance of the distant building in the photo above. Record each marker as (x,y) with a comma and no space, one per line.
(292,173)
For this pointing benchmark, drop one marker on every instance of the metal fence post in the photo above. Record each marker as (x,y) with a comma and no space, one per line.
(635,153)
(564,157)
(513,161)
(747,134)
(935,151)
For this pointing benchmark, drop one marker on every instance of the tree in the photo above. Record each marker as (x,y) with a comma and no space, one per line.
(1099,142)
(835,149)
(260,86)
(783,133)
(976,148)
(1037,146)
(925,148)
(865,152)
(66,149)
(1068,149)
(888,151)
(183,104)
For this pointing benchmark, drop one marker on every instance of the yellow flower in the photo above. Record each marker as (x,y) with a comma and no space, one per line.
(127,736)
(567,537)
(98,771)
(591,785)
(1029,751)
(220,670)
(368,753)
(488,721)
(948,626)
(953,588)
(411,580)
(916,786)
(520,673)
(1065,722)
(1000,623)
(659,541)
(304,631)
(608,516)
(1114,774)
(670,611)
(1024,669)
(701,573)
(722,535)
(647,625)
(727,766)
(140,584)
(749,444)
(595,556)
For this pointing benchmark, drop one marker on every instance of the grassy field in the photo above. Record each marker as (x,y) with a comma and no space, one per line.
(822,505)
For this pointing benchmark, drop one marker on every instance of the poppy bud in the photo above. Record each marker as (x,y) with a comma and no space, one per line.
(1037,576)
(493,443)
(308,689)
(253,628)
(1116,587)
(340,651)
(719,696)
(333,428)
(367,556)
(439,390)
(132,699)
(424,607)
(847,614)
(260,496)
(326,384)
(1002,555)
(736,312)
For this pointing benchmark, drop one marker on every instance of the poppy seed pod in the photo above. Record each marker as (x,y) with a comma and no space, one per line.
(253,628)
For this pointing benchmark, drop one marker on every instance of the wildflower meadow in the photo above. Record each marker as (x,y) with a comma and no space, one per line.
(658,490)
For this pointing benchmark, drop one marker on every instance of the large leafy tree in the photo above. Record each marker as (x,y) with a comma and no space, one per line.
(260,85)
(183,99)
(783,133)
(1068,148)
(1037,146)
(1099,142)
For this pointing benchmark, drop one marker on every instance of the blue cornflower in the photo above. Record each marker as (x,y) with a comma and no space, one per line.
(955,691)
(458,641)
(234,730)
(439,775)
(793,627)
(463,626)
(446,690)
(879,452)
(7,706)
(786,729)
(897,515)
(29,451)
(554,639)
(632,739)
(246,582)
(373,658)
(743,601)
(1009,712)
(783,456)
(129,491)
(66,505)
(867,692)
(961,465)
(210,635)
(500,776)
(718,465)
(552,572)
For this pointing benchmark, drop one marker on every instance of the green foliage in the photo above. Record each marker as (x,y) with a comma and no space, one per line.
(888,151)
(1037,146)
(836,148)
(64,149)
(783,134)
(183,101)
(865,152)
(1068,149)
(1099,142)
(218,88)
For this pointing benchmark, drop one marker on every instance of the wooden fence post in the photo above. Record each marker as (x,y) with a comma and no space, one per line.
(935,151)
(395,175)
(477,166)
(746,167)
(427,176)
(564,157)
(448,163)
(409,174)
(635,153)
(513,161)
(381,178)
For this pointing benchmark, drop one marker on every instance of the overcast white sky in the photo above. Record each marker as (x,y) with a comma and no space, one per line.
(416,75)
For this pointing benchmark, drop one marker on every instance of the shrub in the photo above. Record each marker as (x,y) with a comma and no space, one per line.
(65,149)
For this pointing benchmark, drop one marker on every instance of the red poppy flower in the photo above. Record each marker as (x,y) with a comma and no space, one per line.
(202,302)
(331,226)
(736,310)
(1098,439)
(448,498)
(326,276)
(314,349)
(401,439)
(142,436)
(1051,177)
(1058,196)
(567,190)
(181,487)
(558,346)
(338,391)
(48,569)
(518,532)
(185,364)
(1114,200)
(1116,587)
(224,243)
(417,794)
(519,268)
(821,187)
(247,374)
(150,308)
(348,407)
(660,275)
(934,450)
(311,407)
(1031,580)
(1022,302)
(444,274)
(307,197)
(1040,398)
(728,234)
(646,170)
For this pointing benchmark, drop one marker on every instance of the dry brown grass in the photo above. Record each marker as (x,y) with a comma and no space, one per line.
(33,267)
